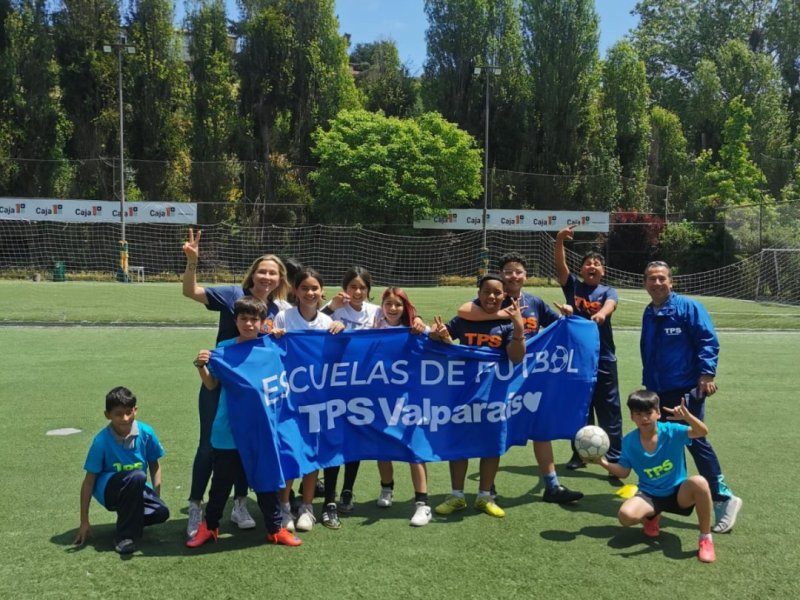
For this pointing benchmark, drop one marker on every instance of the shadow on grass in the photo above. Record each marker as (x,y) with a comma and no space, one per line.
(628,540)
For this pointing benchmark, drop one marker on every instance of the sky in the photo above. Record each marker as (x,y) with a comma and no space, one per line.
(404,22)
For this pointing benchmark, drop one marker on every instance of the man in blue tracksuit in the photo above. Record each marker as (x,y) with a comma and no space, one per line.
(679,348)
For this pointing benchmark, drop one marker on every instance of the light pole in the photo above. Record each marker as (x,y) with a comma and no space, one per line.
(120,45)
(490,69)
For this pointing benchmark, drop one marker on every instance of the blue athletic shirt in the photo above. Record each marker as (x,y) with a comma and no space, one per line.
(661,472)
(107,456)
(536,313)
(493,334)
(221,432)
(222,298)
(587,301)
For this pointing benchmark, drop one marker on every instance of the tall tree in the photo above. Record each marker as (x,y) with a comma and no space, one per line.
(669,160)
(783,38)
(383,79)
(35,126)
(215,169)
(625,90)
(88,84)
(561,39)
(158,97)
(463,35)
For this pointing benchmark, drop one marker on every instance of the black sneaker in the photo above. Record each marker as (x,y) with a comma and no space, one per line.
(125,546)
(346,502)
(575,463)
(330,518)
(561,495)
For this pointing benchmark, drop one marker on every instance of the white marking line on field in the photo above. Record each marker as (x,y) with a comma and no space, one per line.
(718,312)
(63,431)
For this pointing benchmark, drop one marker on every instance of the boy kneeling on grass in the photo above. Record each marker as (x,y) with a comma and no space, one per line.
(115,473)
(655,450)
(250,314)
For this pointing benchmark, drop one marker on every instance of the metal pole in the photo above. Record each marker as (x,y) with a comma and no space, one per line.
(487,72)
(121,144)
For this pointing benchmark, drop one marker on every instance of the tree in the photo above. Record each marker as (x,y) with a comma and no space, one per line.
(378,170)
(215,169)
(158,98)
(385,82)
(462,35)
(669,160)
(783,38)
(88,79)
(561,38)
(35,126)
(625,90)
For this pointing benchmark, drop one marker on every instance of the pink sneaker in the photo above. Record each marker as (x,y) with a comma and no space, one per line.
(651,526)
(705,552)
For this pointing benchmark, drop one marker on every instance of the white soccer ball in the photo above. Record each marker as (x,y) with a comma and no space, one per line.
(591,442)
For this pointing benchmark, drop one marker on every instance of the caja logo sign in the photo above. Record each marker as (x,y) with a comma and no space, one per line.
(17,209)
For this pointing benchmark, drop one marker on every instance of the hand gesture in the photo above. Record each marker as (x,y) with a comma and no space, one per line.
(339,300)
(515,313)
(191,247)
(564,309)
(567,233)
(678,413)
(82,535)
(439,331)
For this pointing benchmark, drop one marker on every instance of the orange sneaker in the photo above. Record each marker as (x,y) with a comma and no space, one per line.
(203,535)
(651,526)
(283,538)
(705,552)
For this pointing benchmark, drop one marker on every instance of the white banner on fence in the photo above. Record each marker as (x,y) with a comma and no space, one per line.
(517,220)
(96,211)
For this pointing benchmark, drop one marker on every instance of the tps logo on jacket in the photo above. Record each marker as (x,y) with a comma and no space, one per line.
(673,330)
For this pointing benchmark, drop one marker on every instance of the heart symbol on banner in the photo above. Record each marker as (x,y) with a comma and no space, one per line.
(531,400)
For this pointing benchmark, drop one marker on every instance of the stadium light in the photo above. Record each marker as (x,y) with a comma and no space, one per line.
(120,45)
(490,69)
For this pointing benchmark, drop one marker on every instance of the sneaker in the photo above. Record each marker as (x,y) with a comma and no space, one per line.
(561,495)
(652,526)
(283,538)
(386,497)
(287,520)
(705,551)
(330,518)
(575,463)
(240,515)
(195,518)
(125,546)
(487,505)
(450,505)
(422,515)
(305,518)
(346,502)
(203,535)
(726,513)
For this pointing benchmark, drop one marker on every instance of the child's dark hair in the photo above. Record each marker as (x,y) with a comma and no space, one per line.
(354,272)
(592,254)
(643,401)
(307,273)
(512,257)
(491,277)
(409,310)
(120,396)
(293,267)
(250,306)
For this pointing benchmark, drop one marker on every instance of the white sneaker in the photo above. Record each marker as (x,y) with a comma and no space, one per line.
(422,515)
(240,515)
(287,520)
(195,518)
(386,497)
(726,513)
(305,518)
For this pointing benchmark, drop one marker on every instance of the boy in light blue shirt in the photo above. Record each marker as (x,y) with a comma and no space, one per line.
(655,450)
(116,473)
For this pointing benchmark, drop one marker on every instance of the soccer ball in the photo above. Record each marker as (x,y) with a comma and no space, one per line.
(591,442)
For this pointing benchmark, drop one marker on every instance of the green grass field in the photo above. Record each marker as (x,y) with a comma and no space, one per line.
(57,376)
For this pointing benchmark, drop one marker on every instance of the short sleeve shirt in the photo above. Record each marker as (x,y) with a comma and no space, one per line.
(587,300)
(663,470)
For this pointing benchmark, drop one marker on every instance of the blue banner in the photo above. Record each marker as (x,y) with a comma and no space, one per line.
(311,399)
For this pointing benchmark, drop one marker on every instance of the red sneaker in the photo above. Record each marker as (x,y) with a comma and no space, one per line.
(202,536)
(283,538)
(651,526)
(705,553)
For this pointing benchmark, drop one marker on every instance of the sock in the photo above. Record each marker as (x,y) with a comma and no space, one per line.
(389,485)
(457,493)
(706,536)
(484,494)
(286,507)
(421,497)
(550,480)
